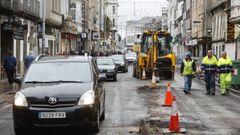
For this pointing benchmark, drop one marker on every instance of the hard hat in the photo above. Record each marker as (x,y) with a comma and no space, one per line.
(189,54)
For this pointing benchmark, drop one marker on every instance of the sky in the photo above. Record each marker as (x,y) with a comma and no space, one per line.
(136,9)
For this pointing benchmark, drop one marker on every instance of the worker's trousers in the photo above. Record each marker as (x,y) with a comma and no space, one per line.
(224,84)
(210,82)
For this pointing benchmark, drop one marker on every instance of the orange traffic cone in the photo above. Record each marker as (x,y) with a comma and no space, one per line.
(174,125)
(168,97)
(174,120)
(144,74)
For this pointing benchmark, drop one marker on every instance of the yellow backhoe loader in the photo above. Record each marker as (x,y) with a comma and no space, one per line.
(155,56)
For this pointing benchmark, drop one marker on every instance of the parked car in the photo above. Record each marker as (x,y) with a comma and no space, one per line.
(59,91)
(131,57)
(107,68)
(121,62)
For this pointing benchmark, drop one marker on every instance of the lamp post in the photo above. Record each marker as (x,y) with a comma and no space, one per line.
(43,24)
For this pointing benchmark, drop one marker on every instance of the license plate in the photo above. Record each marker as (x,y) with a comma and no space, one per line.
(51,115)
(102,75)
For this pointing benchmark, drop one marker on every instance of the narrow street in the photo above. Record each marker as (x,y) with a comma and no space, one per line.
(128,103)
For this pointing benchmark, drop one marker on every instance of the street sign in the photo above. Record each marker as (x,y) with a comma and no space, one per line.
(84,35)
(95,35)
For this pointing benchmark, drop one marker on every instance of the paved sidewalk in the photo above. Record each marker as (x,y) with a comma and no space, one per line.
(6,89)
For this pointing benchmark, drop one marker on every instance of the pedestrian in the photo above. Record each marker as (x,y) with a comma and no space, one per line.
(188,68)
(225,68)
(28,59)
(209,66)
(10,66)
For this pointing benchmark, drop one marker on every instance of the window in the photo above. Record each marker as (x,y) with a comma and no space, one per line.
(114,9)
(114,23)
(56,4)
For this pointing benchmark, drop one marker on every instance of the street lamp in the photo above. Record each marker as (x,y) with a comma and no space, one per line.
(43,24)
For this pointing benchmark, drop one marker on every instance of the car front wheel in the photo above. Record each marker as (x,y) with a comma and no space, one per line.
(19,131)
(115,78)
(96,126)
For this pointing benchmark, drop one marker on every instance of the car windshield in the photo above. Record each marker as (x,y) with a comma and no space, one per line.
(58,72)
(131,55)
(117,58)
(105,61)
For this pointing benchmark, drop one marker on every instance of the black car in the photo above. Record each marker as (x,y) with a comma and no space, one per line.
(121,62)
(107,68)
(60,91)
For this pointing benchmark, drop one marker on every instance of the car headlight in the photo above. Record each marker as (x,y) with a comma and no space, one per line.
(111,70)
(122,64)
(20,100)
(87,98)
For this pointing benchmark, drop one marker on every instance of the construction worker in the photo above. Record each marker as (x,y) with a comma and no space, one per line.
(225,68)
(188,68)
(209,65)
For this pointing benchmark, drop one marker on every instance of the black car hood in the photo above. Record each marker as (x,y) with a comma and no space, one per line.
(106,67)
(55,90)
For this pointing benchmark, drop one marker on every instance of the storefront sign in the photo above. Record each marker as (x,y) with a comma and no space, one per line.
(7,26)
(191,42)
(19,31)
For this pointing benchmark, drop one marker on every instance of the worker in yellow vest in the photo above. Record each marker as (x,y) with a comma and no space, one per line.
(225,68)
(209,66)
(188,68)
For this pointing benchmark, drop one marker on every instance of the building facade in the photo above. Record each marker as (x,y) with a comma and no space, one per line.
(235,19)
(19,29)
(201,25)
(112,13)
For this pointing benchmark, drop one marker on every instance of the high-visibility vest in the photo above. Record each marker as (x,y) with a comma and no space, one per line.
(187,67)
(209,65)
(225,65)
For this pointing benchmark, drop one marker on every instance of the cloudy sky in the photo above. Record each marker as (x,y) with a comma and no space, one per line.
(136,9)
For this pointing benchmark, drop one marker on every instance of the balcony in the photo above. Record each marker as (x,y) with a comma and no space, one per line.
(53,17)
(235,14)
(29,9)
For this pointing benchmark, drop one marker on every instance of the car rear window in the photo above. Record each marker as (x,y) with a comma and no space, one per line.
(59,71)
(117,57)
(105,61)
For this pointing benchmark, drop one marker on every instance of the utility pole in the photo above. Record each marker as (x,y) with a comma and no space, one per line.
(43,25)
(134,6)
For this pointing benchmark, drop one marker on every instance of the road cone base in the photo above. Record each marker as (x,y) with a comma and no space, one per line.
(166,105)
(182,130)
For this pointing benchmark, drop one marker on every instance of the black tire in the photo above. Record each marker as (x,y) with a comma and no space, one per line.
(96,127)
(115,78)
(134,72)
(102,118)
(19,131)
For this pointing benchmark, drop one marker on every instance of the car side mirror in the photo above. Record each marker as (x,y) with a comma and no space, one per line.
(17,80)
(100,79)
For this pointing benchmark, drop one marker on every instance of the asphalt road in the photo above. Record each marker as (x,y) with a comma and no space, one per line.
(128,103)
